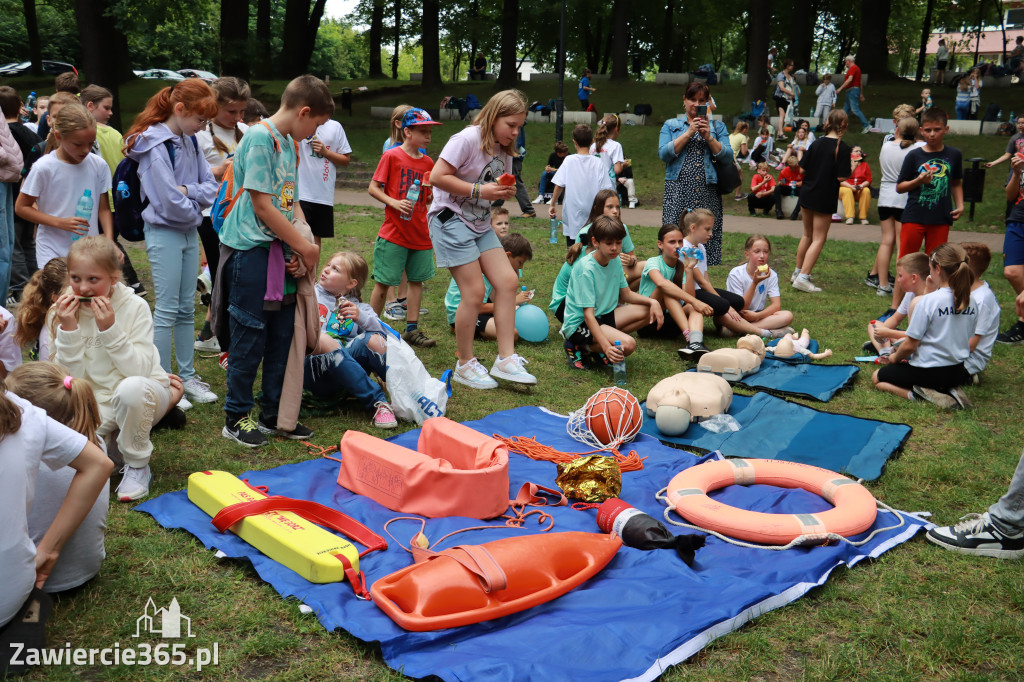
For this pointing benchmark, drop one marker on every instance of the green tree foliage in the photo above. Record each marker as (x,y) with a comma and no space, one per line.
(57,31)
(340,52)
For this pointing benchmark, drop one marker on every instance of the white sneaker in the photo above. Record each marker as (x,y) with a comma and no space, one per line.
(394,311)
(633,203)
(512,369)
(849,221)
(198,391)
(210,345)
(474,375)
(184,404)
(801,284)
(134,484)
(539,199)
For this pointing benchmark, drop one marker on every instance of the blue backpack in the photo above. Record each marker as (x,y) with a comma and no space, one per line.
(128,202)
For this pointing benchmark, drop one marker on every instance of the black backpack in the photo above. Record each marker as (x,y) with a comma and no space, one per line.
(128,202)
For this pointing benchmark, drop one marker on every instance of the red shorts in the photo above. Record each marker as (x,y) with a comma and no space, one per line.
(912,235)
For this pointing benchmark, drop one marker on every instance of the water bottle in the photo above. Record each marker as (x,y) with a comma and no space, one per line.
(30,104)
(412,195)
(619,368)
(553,239)
(83,210)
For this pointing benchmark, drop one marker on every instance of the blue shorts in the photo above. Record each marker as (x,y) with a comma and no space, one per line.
(455,244)
(1013,244)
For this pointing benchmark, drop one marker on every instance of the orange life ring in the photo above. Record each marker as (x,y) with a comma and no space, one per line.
(855,507)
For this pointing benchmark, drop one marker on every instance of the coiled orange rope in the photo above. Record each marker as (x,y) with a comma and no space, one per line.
(529,447)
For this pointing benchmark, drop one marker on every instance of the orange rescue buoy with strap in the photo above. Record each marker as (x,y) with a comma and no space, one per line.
(855,506)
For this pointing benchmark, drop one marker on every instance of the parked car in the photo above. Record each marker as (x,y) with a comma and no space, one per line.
(160,74)
(198,73)
(49,67)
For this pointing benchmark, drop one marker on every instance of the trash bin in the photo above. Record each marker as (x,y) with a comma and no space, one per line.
(974,183)
(346,100)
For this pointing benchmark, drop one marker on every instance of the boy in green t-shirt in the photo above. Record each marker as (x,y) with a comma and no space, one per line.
(519,251)
(260,318)
(597,285)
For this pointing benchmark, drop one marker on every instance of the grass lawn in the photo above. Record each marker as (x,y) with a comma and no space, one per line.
(918,612)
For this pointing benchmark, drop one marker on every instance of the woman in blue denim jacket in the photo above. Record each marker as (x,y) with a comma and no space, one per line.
(687,146)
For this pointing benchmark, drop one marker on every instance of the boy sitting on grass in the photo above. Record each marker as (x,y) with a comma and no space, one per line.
(982,298)
(911,277)
(518,249)
(597,285)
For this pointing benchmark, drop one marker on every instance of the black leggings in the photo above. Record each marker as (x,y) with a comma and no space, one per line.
(211,246)
(721,302)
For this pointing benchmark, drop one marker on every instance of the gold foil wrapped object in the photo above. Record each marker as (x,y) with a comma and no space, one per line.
(593,478)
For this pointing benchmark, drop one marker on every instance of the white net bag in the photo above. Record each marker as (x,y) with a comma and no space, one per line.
(610,417)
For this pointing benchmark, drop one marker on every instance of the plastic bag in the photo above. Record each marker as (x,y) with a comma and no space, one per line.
(415,395)
(721,423)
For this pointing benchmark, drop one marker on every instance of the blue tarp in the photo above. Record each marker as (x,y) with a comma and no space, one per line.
(773,428)
(644,612)
(798,376)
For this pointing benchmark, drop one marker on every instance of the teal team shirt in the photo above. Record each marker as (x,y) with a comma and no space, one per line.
(560,286)
(454,296)
(627,242)
(647,285)
(591,285)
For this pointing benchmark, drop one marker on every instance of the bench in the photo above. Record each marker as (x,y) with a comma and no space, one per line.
(630,119)
(381,112)
(672,78)
(453,115)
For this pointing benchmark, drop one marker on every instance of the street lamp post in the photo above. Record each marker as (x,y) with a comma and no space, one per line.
(560,102)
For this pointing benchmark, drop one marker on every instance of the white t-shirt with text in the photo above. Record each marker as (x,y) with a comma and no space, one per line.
(943,332)
(317,174)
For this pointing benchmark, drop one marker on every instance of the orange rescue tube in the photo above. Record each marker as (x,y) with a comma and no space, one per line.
(855,507)
(507,576)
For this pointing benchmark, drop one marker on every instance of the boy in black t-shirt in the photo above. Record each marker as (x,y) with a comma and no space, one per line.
(554,163)
(23,257)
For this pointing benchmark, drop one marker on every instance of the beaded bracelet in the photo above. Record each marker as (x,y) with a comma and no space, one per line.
(476,191)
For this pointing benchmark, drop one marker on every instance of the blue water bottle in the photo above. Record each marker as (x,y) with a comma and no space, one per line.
(412,195)
(83,210)
(30,104)
(554,223)
(619,368)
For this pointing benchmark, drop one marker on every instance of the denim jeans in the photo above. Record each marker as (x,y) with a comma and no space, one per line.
(338,373)
(545,188)
(852,105)
(23,262)
(1008,513)
(174,261)
(257,335)
(6,237)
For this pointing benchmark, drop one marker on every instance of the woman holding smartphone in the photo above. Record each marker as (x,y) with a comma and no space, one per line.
(688,147)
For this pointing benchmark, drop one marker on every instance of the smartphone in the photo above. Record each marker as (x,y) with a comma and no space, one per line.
(702,110)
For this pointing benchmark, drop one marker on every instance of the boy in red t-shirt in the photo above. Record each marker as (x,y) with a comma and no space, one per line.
(791,178)
(403,243)
(762,190)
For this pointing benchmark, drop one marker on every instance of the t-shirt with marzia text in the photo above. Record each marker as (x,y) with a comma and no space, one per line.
(591,285)
(943,332)
(472,165)
(398,171)
(931,204)
(740,280)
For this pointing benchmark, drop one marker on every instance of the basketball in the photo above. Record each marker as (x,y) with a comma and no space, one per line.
(613,415)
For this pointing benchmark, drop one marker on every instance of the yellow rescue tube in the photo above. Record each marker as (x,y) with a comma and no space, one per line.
(285,537)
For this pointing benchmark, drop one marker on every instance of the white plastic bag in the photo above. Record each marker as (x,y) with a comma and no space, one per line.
(415,395)
(721,423)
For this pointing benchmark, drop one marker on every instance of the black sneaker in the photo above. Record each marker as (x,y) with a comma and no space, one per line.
(138,289)
(693,351)
(300,432)
(868,346)
(244,431)
(174,419)
(1014,334)
(871,281)
(976,534)
(574,356)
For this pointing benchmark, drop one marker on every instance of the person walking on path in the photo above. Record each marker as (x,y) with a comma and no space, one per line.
(851,83)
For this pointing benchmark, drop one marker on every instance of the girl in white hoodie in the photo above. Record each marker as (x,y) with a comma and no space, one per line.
(104,335)
(175,178)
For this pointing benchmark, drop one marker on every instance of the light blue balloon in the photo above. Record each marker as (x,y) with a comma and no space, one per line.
(532,323)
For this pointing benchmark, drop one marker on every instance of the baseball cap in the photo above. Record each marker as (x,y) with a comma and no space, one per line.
(418,117)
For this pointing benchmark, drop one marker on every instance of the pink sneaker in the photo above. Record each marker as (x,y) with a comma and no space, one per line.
(384,417)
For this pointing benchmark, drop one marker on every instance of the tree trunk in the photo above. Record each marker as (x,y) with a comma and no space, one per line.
(620,40)
(398,36)
(757,50)
(263,56)
(104,50)
(309,42)
(926,32)
(801,33)
(509,43)
(665,52)
(431,44)
(376,38)
(607,51)
(873,48)
(35,46)
(474,32)
(234,38)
